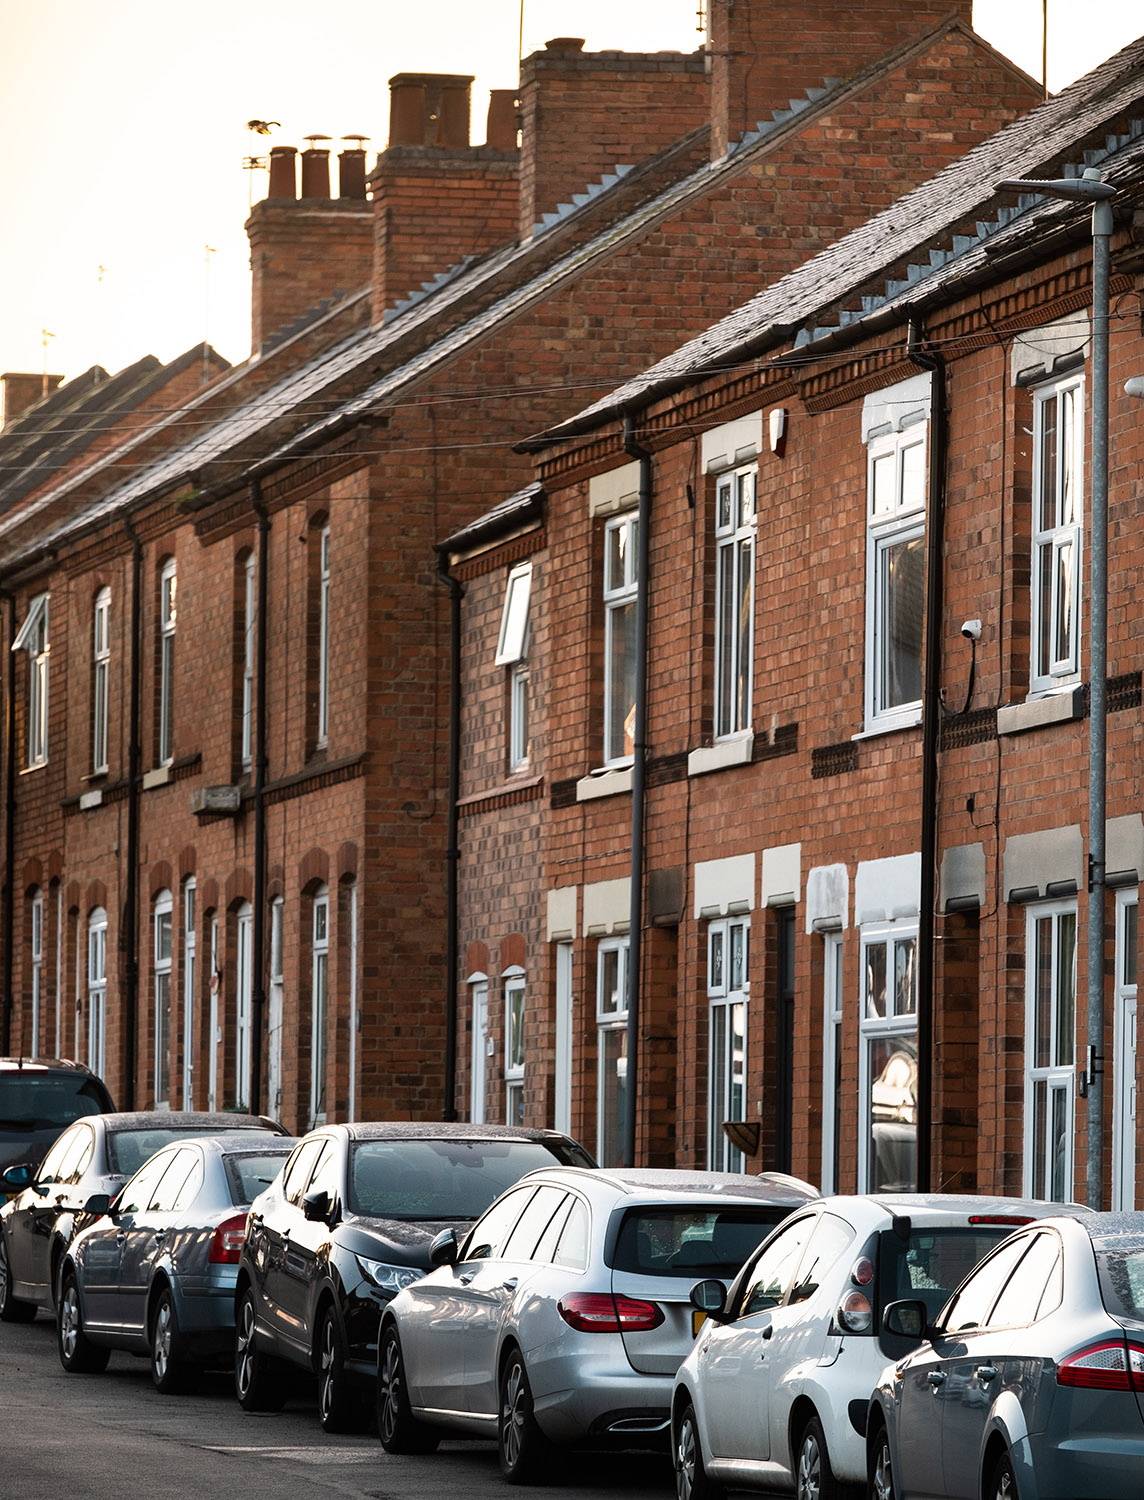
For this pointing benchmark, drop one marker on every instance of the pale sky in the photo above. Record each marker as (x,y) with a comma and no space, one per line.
(122,135)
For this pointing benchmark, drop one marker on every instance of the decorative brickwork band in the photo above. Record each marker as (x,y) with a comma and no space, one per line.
(833,760)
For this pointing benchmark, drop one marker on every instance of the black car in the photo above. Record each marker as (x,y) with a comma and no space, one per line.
(346,1226)
(38,1097)
(94,1157)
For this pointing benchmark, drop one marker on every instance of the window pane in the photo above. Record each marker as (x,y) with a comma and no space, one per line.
(746,499)
(715,960)
(905,977)
(875,979)
(893,1073)
(744,611)
(611,999)
(724,504)
(1072,445)
(620,737)
(903,602)
(1059,1146)
(1065,601)
(617,544)
(1040,1101)
(613,1084)
(1048,518)
(1043,993)
(913,477)
(1128,969)
(1045,598)
(516,1026)
(738,955)
(882,485)
(1066,990)
(725,637)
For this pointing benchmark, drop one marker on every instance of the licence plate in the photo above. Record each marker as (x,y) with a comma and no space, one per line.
(697,1320)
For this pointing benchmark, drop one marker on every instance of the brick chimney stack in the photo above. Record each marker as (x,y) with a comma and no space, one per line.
(436,198)
(764,53)
(18,392)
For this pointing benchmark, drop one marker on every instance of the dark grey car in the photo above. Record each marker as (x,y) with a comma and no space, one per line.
(155,1275)
(38,1097)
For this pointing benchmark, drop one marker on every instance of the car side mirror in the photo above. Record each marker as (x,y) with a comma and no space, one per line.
(443,1248)
(98,1203)
(906,1319)
(710,1297)
(316,1206)
(16,1179)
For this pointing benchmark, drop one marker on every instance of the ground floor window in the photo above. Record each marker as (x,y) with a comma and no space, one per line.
(514,1049)
(612,1049)
(1124,1056)
(831,1060)
(96,989)
(162,954)
(1050,1049)
(888,1059)
(728,988)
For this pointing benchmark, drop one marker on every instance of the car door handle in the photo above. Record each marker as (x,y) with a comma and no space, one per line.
(936,1379)
(768,1330)
(466,1277)
(510,1284)
(985,1373)
(160,1236)
(120,1237)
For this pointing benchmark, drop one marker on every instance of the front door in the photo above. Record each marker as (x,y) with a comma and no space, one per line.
(1124,1058)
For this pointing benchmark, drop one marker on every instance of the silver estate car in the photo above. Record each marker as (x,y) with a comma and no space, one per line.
(563,1314)
(1031,1383)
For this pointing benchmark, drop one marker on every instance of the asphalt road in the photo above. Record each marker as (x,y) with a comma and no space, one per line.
(113,1437)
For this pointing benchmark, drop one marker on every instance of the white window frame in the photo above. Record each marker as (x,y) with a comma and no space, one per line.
(519,744)
(515,1023)
(248,642)
(101,681)
(1056,1074)
(892,521)
(898,1023)
(37,936)
(512,643)
(1124,1116)
(96,989)
(833,994)
(168,614)
(163,925)
(1055,536)
(323,635)
(562,1101)
(619,598)
(611,1019)
(728,997)
(736,524)
(319,1004)
(479,1011)
(190,990)
(351,911)
(34,638)
(243,1003)
(277,996)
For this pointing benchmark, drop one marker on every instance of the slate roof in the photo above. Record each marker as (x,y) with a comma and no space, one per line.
(525,505)
(918,249)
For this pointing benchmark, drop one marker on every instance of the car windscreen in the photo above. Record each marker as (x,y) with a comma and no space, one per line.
(251,1173)
(1121,1271)
(691,1241)
(448,1180)
(930,1264)
(127,1150)
(41,1101)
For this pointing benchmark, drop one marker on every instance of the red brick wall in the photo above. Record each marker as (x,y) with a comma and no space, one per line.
(301,251)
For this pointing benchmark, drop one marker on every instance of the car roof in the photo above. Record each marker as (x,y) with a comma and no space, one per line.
(411,1130)
(44,1065)
(1107,1231)
(202,1122)
(668,1184)
(248,1144)
(942,1208)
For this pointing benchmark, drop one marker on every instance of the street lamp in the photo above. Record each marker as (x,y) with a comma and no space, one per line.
(1091,189)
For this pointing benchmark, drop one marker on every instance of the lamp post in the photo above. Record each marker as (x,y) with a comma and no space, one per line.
(1091,189)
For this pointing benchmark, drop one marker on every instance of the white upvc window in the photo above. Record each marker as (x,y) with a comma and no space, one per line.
(96,989)
(895,576)
(163,923)
(319,1005)
(621,584)
(1058,515)
(612,1049)
(277,999)
(888,1059)
(512,652)
(728,990)
(34,639)
(168,611)
(100,681)
(479,1005)
(1124,1054)
(37,915)
(1050,1049)
(831,1060)
(323,635)
(248,641)
(514,1047)
(190,992)
(735,526)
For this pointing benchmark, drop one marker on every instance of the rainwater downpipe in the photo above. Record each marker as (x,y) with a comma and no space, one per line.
(639,758)
(9,819)
(453,850)
(131,892)
(931,723)
(258,921)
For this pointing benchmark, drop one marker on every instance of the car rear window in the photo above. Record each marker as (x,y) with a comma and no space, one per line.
(40,1101)
(694,1242)
(1121,1274)
(249,1175)
(447,1180)
(127,1150)
(931,1263)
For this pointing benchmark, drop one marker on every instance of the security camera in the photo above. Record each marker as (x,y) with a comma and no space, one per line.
(971,630)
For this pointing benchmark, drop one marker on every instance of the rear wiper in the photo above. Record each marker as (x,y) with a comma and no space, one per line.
(12,1124)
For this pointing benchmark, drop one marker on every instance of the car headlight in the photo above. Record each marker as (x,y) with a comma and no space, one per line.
(386,1277)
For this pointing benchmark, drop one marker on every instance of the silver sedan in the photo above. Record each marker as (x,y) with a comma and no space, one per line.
(564,1314)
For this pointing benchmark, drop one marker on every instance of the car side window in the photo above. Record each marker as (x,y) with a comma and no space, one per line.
(831,1238)
(572,1246)
(137,1193)
(545,1251)
(166,1191)
(327,1175)
(1020,1301)
(297,1172)
(51,1166)
(971,1306)
(79,1159)
(190,1188)
(774,1270)
(522,1242)
(489,1232)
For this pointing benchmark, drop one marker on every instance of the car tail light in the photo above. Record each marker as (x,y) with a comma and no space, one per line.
(600,1312)
(863,1272)
(1016,1220)
(855,1315)
(1109,1366)
(226,1241)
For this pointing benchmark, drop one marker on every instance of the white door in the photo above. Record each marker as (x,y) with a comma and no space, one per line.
(480,993)
(1124,1057)
(563,1110)
(244,978)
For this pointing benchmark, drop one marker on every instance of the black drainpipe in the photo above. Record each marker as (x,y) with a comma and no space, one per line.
(131,897)
(258,924)
(931,721)
(639,756)
(9,819)
(453,851)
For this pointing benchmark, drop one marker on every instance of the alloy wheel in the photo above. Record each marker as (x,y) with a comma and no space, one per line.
(389,1389)
(326,1390)
(69,1320)
(685,1459)
(244,1364)
(809,1467)
(514,1413)
(882,1484)
(161,1340)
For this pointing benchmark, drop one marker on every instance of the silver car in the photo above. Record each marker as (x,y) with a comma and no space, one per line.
(1032,1382)
(563,1315)
(155,1275)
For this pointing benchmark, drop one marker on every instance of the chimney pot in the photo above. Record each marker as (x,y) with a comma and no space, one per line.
(500,132)
(315,173)
(406,114)
(283,172)
(351,173)
(565,44)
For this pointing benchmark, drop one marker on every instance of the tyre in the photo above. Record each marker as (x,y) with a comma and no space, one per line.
(340,1405)
(691,1479)
(11,1310)
(170,1370)
(881,1467)
(78,1355)
(814,1478)
(257,1384)
(397,1427)
(521,1446)
(1003,1485)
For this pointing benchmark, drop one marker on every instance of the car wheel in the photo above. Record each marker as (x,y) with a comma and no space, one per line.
(78,1355)
(814,1478)
(1003,1485)
(521,1446)
(397,1427)
(170,1369)
(11,1310)
(881,1467)
(257,1384)
(339,1403)
(691,1478)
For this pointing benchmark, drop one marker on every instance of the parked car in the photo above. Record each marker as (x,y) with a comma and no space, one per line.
(94,1156)
(1031,1381)
(155,1274)
(349,1224)
(38,1097)
(563,1315)
(775,1393)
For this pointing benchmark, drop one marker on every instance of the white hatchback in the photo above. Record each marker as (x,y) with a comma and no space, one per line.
(774,1394)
